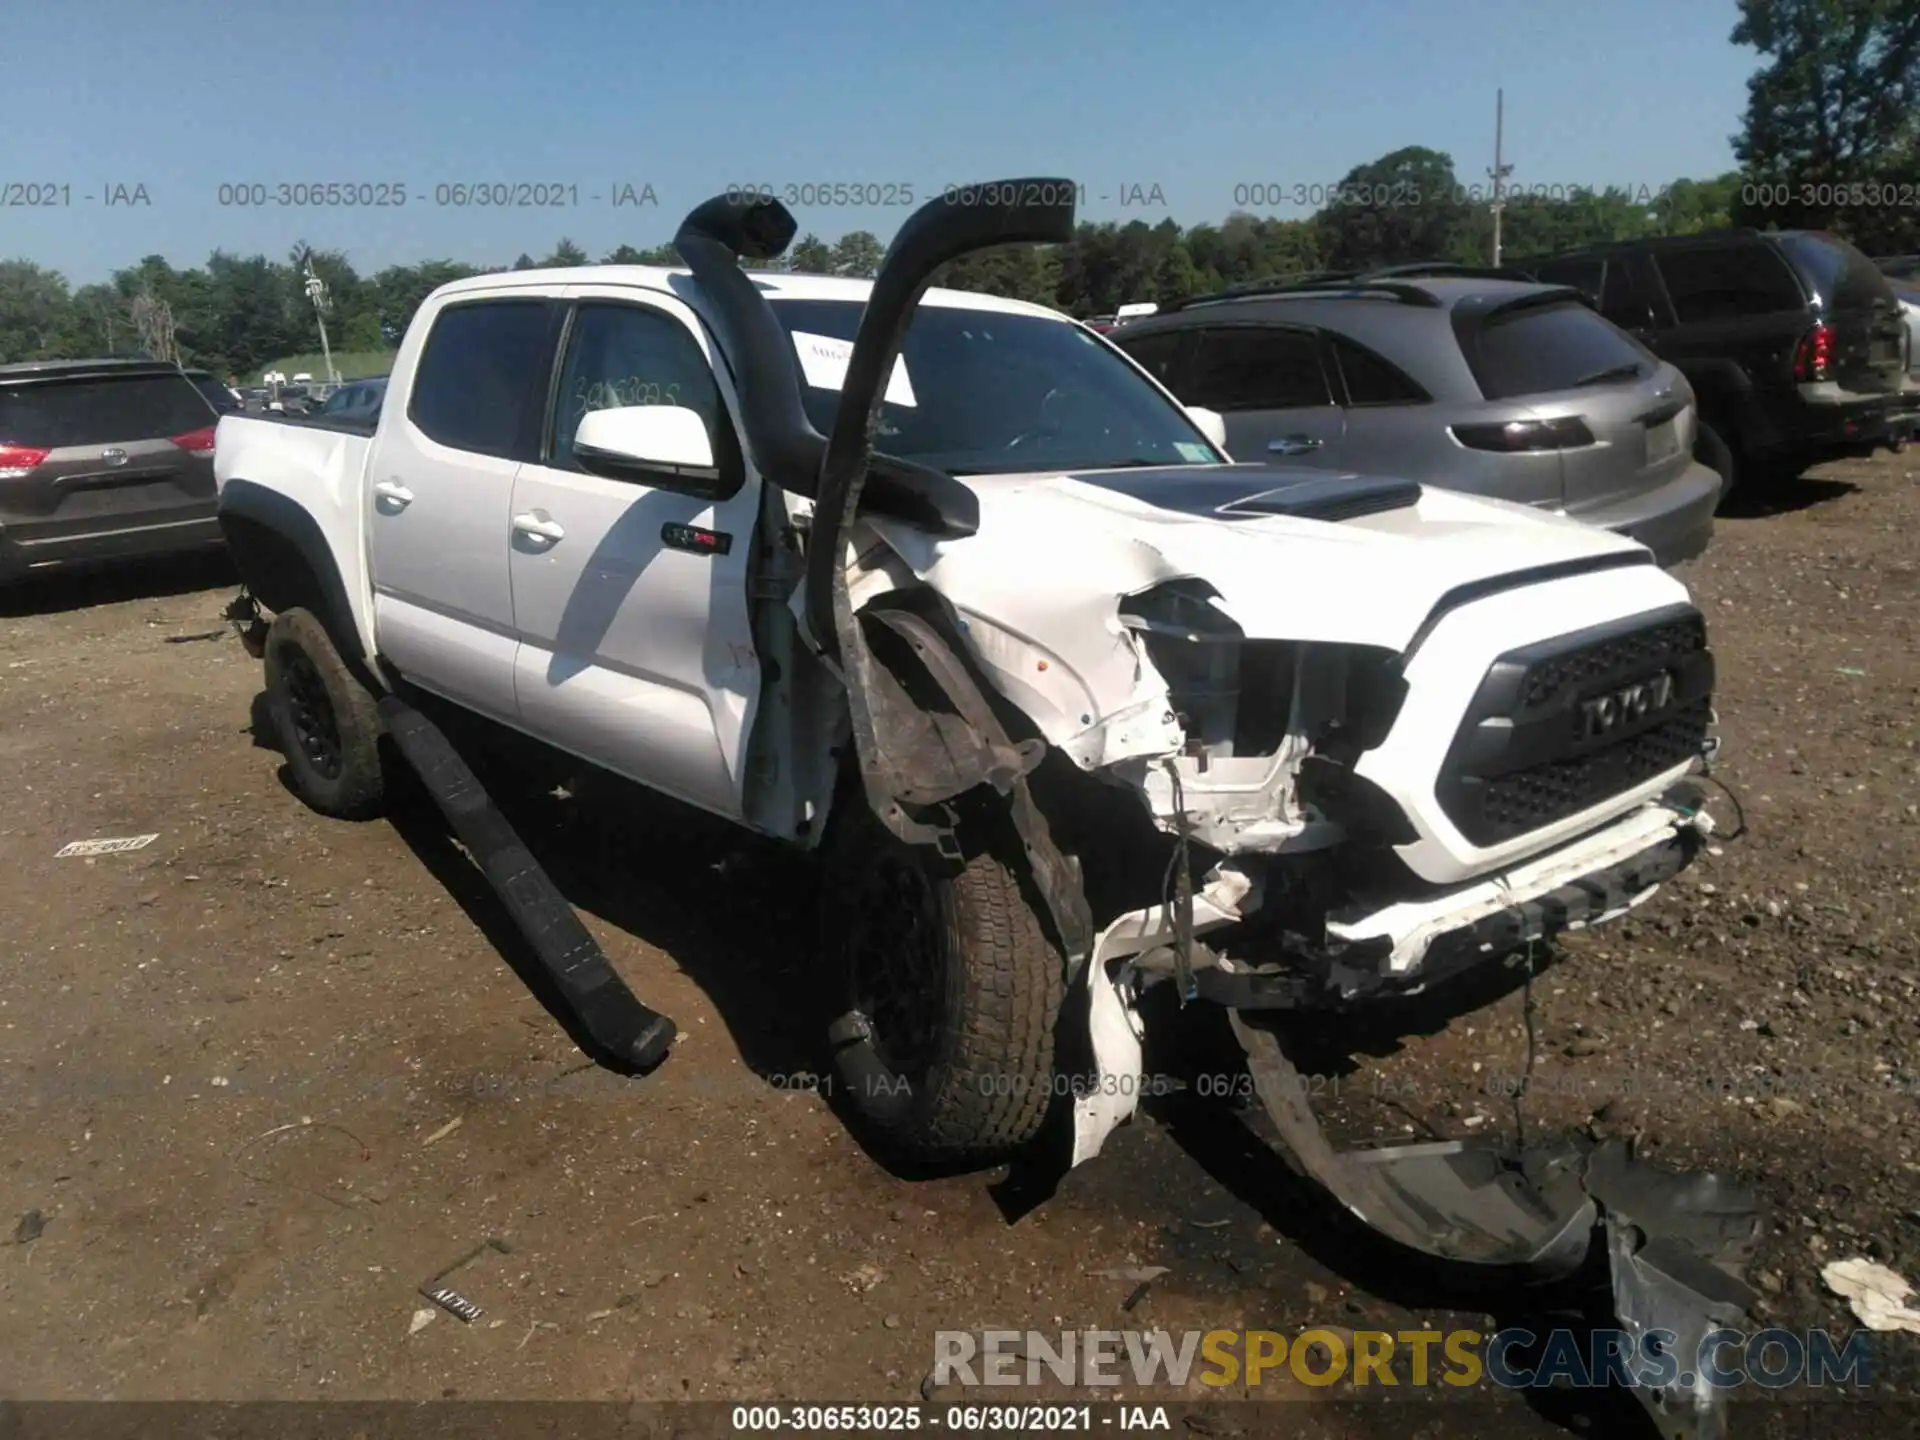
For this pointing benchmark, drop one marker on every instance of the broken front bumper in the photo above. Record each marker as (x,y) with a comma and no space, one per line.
(1540,1212)
(1408,945)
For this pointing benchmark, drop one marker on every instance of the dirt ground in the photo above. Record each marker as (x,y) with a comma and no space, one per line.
(264,1077)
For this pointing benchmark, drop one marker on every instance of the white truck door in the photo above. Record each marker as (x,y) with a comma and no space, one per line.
(636,646)
(440,482)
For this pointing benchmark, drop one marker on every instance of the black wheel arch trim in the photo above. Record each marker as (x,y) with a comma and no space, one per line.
(254,504)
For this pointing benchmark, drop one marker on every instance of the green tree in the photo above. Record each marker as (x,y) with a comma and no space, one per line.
(1688,207)
(565,255)
(811,255)
(1406,206)
(363,333)
(1836,105)
(36,313)
(656,255)
(858,253)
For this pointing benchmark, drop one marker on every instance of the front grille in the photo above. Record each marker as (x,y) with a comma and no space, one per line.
(1533,798)
(1560,727)
(1654,646)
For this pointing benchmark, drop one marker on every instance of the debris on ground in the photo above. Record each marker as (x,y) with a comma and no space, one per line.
(421,1319)
(1131,1272)
(455,1304)
(30,1227)
(1881,1298)
(112,846)
(444,1131)
(864,1277)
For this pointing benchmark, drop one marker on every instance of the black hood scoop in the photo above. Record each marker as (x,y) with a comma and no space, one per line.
(1251,492)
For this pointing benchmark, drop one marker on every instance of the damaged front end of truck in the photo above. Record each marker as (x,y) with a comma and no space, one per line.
(1288,792)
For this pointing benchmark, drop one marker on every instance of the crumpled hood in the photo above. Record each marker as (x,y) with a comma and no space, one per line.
(1054,540)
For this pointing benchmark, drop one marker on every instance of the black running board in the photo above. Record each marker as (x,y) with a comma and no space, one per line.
(583,977)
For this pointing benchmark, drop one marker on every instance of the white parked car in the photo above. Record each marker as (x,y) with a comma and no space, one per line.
(946,589)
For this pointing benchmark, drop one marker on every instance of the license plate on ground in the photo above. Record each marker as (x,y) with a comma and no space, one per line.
(1663,441)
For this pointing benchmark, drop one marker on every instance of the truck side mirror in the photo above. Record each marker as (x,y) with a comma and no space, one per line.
(661,445)
(1209,423)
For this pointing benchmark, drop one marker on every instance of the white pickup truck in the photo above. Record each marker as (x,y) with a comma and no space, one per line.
(948,589)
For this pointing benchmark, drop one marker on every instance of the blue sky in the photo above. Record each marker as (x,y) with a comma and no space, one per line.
(1196,99)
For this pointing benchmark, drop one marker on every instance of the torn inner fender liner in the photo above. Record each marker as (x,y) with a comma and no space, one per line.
(1675,1242)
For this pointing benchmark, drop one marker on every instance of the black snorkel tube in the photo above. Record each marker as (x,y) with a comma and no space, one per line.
(842,470)
(1005,212)
(834,472)
(713,240)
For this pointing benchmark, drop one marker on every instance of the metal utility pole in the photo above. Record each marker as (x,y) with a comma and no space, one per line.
(1500,171)
(317,292)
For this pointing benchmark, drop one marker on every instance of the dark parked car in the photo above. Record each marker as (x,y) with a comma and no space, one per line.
(1793,340)
(1468,380)
(357,400)
(1904,272)
(218,393)
(102,459)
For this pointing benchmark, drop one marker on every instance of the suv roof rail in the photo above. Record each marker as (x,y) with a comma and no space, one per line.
(1330,283)
(80,369)
(1607,247)
(1447,270)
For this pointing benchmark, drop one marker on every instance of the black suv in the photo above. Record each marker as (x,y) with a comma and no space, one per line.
(100,460)
(1791,339)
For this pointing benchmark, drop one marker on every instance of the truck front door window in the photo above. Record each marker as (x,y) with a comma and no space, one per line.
(619,355)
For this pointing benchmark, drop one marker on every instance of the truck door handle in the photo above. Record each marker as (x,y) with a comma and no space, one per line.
(1293,445)
(393,490)
(538,527)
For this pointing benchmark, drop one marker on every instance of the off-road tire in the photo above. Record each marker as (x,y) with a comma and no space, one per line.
(327,722)
(995,982)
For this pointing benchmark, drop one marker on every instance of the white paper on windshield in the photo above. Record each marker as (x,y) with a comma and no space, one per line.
(823,360)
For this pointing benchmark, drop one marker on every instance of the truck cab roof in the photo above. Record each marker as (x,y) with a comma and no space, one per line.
(777,285)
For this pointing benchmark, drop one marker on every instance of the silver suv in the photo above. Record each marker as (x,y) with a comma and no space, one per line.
(1462,379)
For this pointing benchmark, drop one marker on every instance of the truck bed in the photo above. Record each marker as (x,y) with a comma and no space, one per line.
(347,425)
(320,466)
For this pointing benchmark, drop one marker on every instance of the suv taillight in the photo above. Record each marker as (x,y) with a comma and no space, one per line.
(1516,436)
(1814,357)
(18,460)
(200,442)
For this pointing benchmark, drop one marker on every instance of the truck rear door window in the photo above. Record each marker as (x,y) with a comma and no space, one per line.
(1543,348)
(478,372)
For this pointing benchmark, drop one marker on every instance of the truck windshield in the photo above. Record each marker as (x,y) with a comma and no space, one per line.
(982,392)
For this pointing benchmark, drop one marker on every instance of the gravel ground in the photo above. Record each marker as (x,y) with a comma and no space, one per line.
(262,1078)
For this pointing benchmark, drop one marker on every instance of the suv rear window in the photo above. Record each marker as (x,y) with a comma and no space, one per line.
(1537,349)
(101,410)
(1370,379)
(1727,282)
(217,394)
(1834,270)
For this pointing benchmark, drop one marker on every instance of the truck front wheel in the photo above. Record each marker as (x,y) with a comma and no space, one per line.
(327,722)
(950,990)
